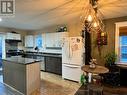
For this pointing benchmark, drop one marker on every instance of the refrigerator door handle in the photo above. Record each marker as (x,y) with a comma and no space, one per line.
(71,66)
(70,51)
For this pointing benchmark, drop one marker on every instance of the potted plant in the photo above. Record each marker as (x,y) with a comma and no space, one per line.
(110,59)
(82,79)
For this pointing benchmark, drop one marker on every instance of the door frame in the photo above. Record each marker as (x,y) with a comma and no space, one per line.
(3,46)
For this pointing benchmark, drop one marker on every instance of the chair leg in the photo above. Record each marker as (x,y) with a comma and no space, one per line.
(90,92)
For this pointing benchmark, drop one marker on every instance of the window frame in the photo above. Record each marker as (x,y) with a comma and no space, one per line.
(36,39)
(117,39)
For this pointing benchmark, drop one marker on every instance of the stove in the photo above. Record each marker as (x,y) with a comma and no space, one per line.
(10,53)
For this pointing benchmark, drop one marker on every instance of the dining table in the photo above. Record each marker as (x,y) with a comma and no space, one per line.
(96,70)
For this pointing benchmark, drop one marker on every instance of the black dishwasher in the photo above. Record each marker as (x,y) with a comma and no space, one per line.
(53,64)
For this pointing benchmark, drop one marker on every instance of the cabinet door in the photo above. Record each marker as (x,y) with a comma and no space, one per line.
(9,36)
(26,39)
(58,65)
(50,40)
(60,36)
(54,65)
(55,39)
(29,41)
(16,36)
(58,39)
(49,64)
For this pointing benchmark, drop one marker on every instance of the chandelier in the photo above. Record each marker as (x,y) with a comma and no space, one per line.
(92,18)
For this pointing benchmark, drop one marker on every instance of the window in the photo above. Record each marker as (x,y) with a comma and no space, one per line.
(121,42)
(39,41)
(123,48)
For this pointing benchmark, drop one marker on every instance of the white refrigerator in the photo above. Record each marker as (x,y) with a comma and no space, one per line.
(72,58)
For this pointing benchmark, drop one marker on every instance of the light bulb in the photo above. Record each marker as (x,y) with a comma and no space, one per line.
(95,24)
(89,18)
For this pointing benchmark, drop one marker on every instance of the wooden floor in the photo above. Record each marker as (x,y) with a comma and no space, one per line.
(115,90)
(107,90)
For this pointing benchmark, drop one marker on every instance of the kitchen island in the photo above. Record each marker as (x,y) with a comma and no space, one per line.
(22,74)
(51,62)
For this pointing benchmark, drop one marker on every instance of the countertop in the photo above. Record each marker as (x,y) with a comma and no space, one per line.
(21,60)
(43,54)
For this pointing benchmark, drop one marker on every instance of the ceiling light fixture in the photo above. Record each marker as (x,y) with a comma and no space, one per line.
(92,18)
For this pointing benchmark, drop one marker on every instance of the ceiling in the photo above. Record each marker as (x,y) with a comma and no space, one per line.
(37,14)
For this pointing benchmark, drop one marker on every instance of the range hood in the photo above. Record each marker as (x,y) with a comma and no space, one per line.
(13,37)
(12,40)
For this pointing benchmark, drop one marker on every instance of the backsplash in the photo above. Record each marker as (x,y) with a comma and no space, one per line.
(54,48)
(49,50)
(11,46)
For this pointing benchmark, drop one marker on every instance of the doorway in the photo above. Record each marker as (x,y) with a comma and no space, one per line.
(1,75)
(0,52)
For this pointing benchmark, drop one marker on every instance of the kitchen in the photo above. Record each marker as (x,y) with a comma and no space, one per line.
(52,52)
(47,47)
(33,48)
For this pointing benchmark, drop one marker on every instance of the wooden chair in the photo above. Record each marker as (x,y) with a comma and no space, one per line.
(95,89)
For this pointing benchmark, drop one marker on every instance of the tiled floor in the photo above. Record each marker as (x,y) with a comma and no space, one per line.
(51,84)
(55,85)
(5,90)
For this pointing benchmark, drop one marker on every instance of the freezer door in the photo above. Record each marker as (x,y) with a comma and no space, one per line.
(76,50)
(71,72)
(66,51)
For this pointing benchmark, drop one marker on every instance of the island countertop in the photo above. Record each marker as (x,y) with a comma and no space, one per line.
(21,60)
(22,74)
(43,54)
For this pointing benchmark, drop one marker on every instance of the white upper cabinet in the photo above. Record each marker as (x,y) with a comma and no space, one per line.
(55,39)
(60,37)
(13,36)
(50,40)
(29,41)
